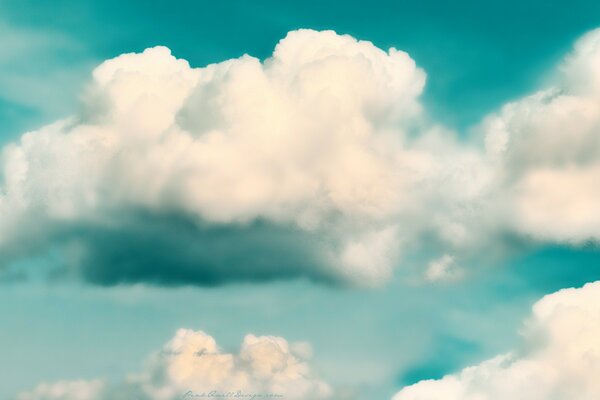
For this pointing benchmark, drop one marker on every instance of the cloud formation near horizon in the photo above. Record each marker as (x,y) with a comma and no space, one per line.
(559,359)
(317,162)
(191,365)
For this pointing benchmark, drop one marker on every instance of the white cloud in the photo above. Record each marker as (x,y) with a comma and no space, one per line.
(191,363)
(547,147)
(313,140)
(560,204)
(559,359)
(320,150)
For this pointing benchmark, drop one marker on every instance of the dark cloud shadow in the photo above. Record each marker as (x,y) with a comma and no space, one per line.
(171,250)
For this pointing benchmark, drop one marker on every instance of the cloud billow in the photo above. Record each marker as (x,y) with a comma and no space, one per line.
(318,162)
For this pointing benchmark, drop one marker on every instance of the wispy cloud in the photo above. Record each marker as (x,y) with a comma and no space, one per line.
(41,72)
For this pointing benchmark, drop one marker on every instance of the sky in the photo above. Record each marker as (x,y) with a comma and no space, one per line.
(400,211)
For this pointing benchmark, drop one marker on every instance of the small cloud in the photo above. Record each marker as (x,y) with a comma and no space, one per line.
(191,365)
(443,269)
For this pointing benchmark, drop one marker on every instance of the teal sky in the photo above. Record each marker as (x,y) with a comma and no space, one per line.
(477,56)
(377,339)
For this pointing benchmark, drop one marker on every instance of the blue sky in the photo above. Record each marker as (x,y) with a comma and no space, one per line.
(477,56)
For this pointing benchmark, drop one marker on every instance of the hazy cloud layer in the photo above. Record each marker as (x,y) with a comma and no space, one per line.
(191,365)
(559,358)
(317,162)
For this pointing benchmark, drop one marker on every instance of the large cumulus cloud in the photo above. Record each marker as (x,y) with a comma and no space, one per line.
(191,365)
(559,358)
(317,162)
(300,165)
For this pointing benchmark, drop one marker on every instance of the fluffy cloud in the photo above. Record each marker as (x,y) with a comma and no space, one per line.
(317,162)
(305,155)
(559,359)
(547,147)
(191,365)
